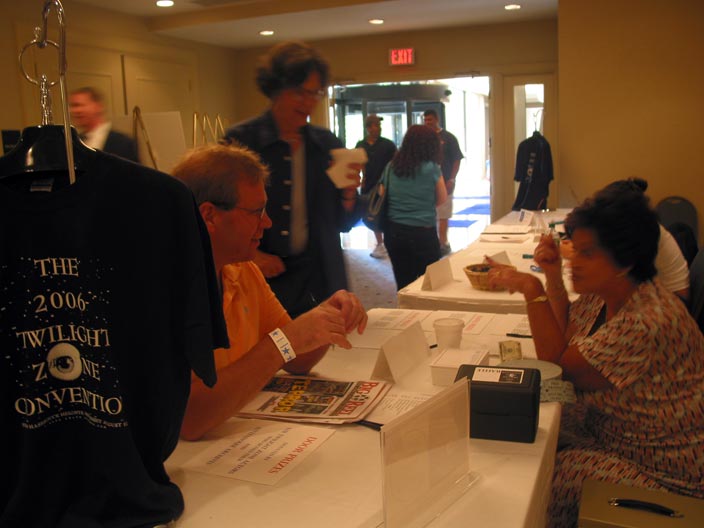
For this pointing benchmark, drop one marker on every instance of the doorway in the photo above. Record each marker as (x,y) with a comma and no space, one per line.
(463,107)
(529,103)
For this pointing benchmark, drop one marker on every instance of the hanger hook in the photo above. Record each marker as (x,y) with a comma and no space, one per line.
(42,40)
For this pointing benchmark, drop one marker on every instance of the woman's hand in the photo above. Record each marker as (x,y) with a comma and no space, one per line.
(547,256)
(503,276)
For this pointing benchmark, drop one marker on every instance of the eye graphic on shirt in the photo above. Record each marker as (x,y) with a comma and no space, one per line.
(64,362)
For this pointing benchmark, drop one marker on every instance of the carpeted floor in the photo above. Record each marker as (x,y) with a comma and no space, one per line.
(371,279)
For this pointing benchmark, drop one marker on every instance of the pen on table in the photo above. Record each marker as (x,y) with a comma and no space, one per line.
(527,255)
(372,425)
(433,346)
(511,334)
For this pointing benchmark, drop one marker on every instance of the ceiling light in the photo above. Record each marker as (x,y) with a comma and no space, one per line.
(165,3)
(376,21)
(266,32)
(512,7)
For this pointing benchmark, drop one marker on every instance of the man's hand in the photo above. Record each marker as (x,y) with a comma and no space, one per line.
(327,324)
(351,308)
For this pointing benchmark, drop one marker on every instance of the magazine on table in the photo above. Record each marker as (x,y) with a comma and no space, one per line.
(312,399)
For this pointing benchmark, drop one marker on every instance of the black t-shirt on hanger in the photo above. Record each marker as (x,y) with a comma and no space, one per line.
(108,299)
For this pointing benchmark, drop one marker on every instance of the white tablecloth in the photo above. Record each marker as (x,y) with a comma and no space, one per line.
(340,483)
(460,295)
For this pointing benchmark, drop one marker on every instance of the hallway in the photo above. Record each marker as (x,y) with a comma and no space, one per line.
(372,279)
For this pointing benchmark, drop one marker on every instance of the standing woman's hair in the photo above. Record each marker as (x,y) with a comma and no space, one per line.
(288,65)
(419,145)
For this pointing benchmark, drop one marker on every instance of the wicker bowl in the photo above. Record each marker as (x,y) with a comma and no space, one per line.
(478,275)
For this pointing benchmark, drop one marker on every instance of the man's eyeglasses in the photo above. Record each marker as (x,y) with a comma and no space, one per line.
(259,212)
(304,93)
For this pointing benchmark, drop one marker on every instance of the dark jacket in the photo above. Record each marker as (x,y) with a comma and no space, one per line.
(121,145)
(326,216)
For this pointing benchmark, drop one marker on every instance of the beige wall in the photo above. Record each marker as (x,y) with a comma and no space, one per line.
(504,49)
(223,79)
(110,33)
(501,51)
(630,82)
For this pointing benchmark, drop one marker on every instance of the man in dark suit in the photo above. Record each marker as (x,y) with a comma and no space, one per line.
(88,115)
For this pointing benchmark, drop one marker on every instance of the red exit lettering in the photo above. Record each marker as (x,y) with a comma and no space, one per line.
(401,56)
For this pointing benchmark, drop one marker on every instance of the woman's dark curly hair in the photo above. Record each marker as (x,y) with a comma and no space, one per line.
(288,65)
(420,144)
(624,223)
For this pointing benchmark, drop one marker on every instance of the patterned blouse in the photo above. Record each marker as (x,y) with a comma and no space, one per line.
(652,352)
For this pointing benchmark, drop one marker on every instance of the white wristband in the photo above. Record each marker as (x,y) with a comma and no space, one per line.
(282,343)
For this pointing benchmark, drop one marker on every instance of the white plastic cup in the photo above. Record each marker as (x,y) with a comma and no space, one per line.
(448,332)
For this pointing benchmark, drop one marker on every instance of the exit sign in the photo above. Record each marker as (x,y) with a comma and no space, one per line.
(402,56)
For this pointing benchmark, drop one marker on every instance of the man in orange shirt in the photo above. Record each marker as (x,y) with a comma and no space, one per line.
(228,184)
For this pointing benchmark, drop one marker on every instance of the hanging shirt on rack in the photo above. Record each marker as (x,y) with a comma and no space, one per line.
(534,172)
(108,300)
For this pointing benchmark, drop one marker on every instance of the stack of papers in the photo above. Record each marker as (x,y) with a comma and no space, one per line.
(508,229)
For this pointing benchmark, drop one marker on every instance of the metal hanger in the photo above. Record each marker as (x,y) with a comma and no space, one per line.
(47,147)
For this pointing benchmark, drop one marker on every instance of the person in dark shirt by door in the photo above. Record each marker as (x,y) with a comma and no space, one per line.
(450,166)
(380,151)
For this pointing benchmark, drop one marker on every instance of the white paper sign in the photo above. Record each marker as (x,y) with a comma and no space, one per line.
(339,170)
(396,319)
(401,354)
(501,258)
(260,451)
(437,275)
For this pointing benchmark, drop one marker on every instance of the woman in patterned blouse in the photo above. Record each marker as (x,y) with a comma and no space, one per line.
(630,347)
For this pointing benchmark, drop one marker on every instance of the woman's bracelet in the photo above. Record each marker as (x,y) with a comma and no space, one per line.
(538,299)
(282,343)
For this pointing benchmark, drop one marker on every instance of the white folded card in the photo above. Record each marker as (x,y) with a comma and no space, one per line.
(339,169)
(443,368)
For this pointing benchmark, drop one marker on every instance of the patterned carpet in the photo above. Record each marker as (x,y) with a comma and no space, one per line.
(371,279)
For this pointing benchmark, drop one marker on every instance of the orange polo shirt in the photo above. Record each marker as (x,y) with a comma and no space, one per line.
(251,311)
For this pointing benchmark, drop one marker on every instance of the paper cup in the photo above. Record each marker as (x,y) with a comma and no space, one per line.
(448,332)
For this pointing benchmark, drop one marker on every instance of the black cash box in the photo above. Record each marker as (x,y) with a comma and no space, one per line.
(504,402)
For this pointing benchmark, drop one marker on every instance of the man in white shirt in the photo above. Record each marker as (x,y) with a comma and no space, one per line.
(88,115)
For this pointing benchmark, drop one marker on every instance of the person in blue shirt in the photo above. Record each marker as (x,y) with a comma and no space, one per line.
(415,188)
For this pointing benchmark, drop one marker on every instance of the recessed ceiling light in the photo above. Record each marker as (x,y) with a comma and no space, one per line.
(376,21)
(512,7)
(165,3)
(266,32)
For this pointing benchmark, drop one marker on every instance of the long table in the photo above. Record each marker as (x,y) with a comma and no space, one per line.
(461,295)
(340,483)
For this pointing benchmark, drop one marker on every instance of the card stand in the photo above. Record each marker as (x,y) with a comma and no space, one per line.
(425,459)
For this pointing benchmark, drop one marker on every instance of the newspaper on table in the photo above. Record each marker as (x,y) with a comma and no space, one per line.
(317,400)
